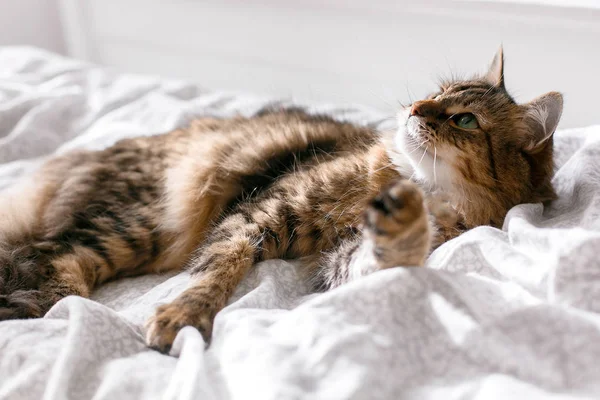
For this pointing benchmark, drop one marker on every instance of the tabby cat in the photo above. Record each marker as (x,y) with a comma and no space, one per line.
(223,194)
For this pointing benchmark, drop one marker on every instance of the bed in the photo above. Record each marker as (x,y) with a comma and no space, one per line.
(510,313)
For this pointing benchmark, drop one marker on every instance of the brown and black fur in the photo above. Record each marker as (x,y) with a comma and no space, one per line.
(223,194)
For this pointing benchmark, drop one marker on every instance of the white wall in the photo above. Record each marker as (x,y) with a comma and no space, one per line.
(31,22)
(373,52)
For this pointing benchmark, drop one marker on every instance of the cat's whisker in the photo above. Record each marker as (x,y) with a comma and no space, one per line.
(434,161)
(424,142)
(343,196)
(402,104)
(384,167)
(249,196)
(388,118)
(381,98)
(464,195)
(342,213)
(449,118)
(408,92)
(418,164)
(419,146)
(487,92)
(375,125)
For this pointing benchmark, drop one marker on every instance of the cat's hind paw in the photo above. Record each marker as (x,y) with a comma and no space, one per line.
(169,319)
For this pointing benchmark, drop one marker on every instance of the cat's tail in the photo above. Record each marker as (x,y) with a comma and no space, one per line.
(23,271)
(23,263)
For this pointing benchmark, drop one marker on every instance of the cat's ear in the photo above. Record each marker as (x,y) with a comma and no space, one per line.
(542,115)
(495,73)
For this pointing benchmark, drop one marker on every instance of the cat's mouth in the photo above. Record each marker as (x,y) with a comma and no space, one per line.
(413,138)
(418,135)
(418,144)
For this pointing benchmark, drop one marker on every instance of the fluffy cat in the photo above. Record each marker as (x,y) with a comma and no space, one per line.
(222,194)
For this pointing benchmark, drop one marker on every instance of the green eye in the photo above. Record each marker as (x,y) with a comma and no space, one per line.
(466,121)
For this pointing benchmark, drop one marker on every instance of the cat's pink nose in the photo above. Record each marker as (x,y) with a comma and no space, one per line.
(414,110)
(423,108)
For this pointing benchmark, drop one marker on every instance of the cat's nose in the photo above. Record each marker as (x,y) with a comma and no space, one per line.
(414,110)
(423,108)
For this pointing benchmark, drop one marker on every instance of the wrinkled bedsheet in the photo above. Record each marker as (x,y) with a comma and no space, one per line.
(496,314)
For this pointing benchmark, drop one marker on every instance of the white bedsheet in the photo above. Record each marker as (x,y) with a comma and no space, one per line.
(496,314)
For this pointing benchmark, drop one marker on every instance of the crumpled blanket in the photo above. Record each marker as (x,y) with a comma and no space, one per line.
(495,314)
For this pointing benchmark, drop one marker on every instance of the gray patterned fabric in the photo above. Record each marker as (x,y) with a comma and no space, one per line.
(497,314)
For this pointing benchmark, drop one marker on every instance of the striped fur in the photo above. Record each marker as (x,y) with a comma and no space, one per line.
(223,194)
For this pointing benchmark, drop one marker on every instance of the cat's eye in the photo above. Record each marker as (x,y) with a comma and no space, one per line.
(466,121)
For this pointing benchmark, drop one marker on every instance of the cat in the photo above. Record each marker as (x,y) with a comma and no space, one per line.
(220,195)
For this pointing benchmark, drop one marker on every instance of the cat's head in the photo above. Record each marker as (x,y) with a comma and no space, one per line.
(470,138)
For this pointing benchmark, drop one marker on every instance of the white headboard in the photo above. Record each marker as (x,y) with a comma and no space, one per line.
(373,52)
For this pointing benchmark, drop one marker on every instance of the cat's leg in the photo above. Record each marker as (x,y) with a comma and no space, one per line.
(397,232)
(448,223)
(221,264)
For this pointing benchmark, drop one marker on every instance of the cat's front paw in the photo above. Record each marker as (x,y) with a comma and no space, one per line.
(395,209)
(396,222)
(169,319)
